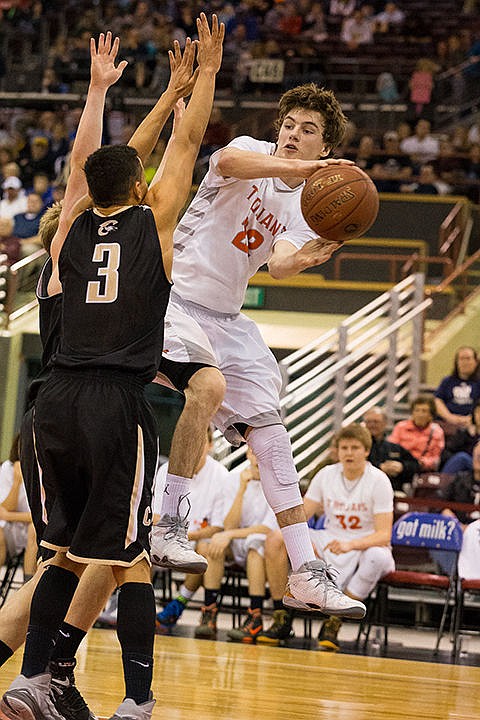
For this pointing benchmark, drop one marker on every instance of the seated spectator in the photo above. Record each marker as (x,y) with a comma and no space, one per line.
(465,488)
(420,435)
(421,146)
(205,518)
(356,30)
(392,167)
(366,154)
(15,517)
(51,83)
(26,224)
(315,28)
(246,524)
(386,87)
(43,187)
(390,19)
(392,459)
(37,158)
(457,455)
(344,8)
(14,200)
(9,244)
(457,393)
(357,500)
(427,183)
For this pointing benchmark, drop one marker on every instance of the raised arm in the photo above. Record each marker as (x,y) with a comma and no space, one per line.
(103,74)
(182,80)
(169,194)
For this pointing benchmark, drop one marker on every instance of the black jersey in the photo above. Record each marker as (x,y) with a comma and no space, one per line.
(115,293)
(50,316)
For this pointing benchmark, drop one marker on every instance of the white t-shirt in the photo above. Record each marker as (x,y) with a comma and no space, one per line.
(6,483)
(350,507)
(207,493)
(229,230)
(426,148)
(255,509)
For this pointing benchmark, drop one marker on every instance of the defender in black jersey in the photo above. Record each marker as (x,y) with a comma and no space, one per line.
(115,294)
(94,432)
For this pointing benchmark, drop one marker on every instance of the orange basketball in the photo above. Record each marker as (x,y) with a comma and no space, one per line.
(339,202)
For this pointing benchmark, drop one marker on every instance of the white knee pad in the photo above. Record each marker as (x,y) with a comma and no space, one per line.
(271,446)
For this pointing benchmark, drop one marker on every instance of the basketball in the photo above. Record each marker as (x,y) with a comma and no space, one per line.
(339,202)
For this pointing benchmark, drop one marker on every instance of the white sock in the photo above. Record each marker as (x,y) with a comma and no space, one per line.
(298,544)
(176,488)
(186,593)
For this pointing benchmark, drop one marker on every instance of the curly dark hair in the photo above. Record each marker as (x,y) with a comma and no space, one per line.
(312,97)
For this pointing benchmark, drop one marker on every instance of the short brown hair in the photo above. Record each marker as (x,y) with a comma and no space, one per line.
(312,97)
(49,225)
(355,431)
(425,400)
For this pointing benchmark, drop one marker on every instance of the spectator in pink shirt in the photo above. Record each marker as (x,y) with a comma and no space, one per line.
(422,437)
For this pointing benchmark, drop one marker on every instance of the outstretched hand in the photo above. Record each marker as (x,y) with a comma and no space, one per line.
(103,72)
(317,251)
(210,43)
(182,77)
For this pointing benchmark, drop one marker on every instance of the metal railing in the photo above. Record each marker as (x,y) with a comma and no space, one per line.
(22,278)
(372,358)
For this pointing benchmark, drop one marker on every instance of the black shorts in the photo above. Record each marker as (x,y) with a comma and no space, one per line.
(179,373)
(96,447)
(35,492)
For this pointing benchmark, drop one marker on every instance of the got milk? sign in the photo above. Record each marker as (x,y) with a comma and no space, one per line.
(428,530)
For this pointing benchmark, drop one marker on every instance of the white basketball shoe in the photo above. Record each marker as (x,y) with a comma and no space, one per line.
(170,547)
(29,699)
(312,587)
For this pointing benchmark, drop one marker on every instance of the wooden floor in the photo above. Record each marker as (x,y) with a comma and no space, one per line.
(203,680)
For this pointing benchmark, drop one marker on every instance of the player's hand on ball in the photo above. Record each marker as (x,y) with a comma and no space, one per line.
(308,167)
(318,251)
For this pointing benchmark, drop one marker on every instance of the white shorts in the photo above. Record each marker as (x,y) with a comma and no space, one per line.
(16,535)
(469,558)
(251,372)
(240,547)
(357,571)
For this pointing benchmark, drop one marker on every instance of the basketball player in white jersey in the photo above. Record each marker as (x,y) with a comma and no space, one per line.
(356,500)
(247,213)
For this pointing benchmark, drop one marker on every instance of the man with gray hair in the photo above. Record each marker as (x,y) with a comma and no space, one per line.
(393,459)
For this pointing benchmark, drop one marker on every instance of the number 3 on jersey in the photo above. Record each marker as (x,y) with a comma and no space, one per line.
(247,240)
(106,289)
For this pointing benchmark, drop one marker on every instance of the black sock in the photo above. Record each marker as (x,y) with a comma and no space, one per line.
(210,597)
(5,653)
(136,633)
(68,639)
(278,605)
(50,603)
(256,602)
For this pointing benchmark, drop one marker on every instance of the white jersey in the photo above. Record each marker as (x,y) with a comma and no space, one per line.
(229,230)
(350,507)
(6,484)
(207,494)
(255,508)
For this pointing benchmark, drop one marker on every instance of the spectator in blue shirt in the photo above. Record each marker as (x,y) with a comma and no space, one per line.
(457,393)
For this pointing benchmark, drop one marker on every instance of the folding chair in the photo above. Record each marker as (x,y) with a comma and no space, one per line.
(8,579)
(426,548)
(431,484)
